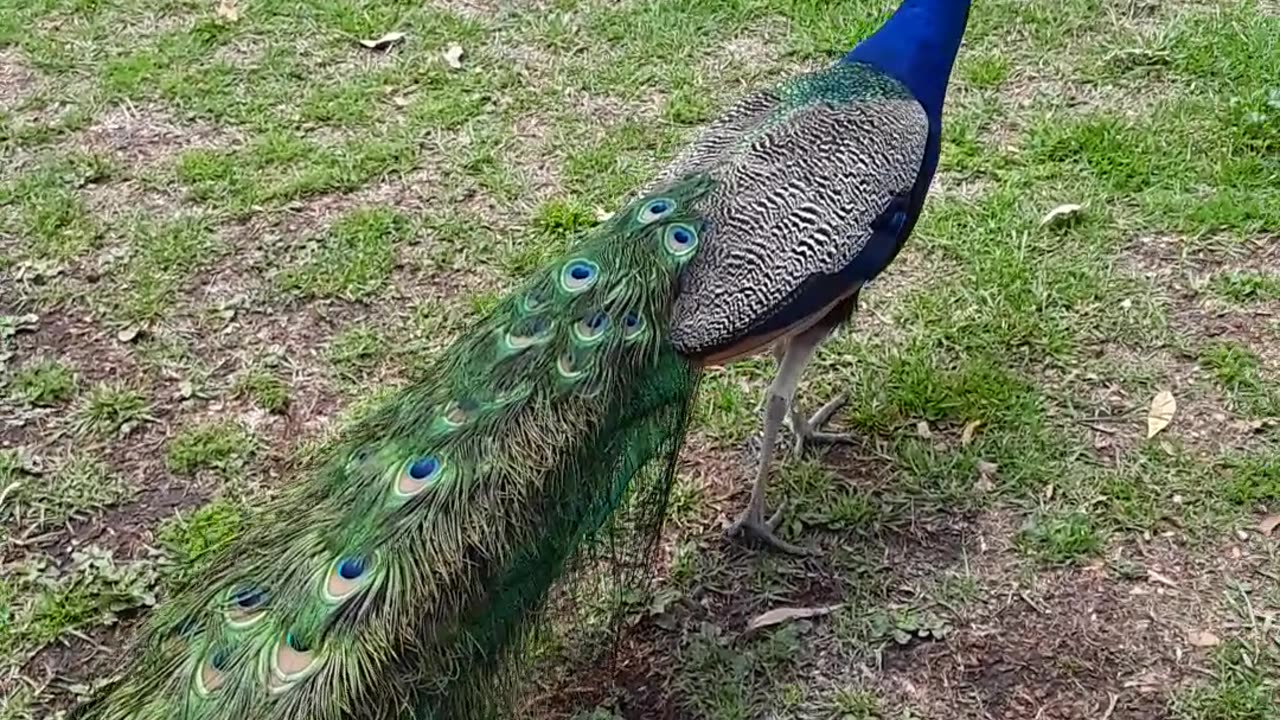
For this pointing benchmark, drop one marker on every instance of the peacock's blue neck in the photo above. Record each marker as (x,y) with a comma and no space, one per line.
(918,47)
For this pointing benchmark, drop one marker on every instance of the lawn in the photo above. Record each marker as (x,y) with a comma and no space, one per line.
(227,227)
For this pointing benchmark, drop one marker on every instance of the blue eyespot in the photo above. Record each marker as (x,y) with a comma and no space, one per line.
(632,324)
(578,275)
(680,239)
(655,210)
(592,326)
(249,598)
(297,643)
(423,468)
(220,659)
(350,568)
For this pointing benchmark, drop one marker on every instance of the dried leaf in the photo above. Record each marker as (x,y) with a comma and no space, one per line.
(1203,638)
(384,42)
(1061,214)
(30,463)
(966,436)
(1269,525)
(128,334)
(1156,577)
(986,476)
(781,615)
(922,429)
(228,11)
(1163,406)
(453,56)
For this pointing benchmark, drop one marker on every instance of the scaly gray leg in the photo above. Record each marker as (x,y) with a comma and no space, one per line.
(752,523)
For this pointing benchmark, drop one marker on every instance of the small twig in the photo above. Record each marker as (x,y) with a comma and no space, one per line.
(13,486)
(1112,707)
(1027,599)
(1105,418)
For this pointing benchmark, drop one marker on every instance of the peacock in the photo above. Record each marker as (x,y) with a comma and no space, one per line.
(403,572)
(819,182)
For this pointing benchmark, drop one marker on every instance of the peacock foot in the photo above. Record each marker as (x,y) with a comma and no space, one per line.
(752,526)
(807,433)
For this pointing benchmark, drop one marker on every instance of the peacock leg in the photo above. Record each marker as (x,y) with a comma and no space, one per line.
(752,523)
(806,432)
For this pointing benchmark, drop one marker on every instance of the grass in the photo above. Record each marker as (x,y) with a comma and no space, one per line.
(45,382)
(222,446)
(218,238)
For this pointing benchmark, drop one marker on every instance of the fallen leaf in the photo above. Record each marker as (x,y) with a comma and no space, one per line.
(1156,577)
(922,429)
(30,463)
(1203,638)
(966,436)
(1061,214)
(453,56)
(128,334)
(383,42)
(228,11)
(400,101)
(781,615)
(1269,525)
(1163,406)
(986,476)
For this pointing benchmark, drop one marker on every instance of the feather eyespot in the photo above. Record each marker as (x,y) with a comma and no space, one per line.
(632,325)
(579,275)
(680,240)
(211,675)
(418,474)
(591,327)
(358,458)
(247,605)
(568,367)
(346,576)
(655,210)
(531,332)
(532,301)
(459,413)
(293,661)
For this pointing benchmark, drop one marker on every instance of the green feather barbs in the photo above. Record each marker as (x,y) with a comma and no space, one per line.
(406,568)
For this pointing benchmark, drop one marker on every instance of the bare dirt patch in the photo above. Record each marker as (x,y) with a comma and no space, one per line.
(18,81)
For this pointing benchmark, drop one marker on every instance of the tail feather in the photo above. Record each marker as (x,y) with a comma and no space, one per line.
(400,575)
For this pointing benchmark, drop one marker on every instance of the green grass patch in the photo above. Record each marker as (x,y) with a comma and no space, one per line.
(112,408)
(1246,287)
(1242,687)
(353,260)
(45,382)
(265,388)
(224,446)
(1062,538)
(1240,373)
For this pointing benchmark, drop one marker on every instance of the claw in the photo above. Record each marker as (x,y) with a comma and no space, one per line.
(752,526)
(804,429)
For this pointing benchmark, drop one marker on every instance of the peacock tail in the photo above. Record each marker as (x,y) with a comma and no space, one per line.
(400,577)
